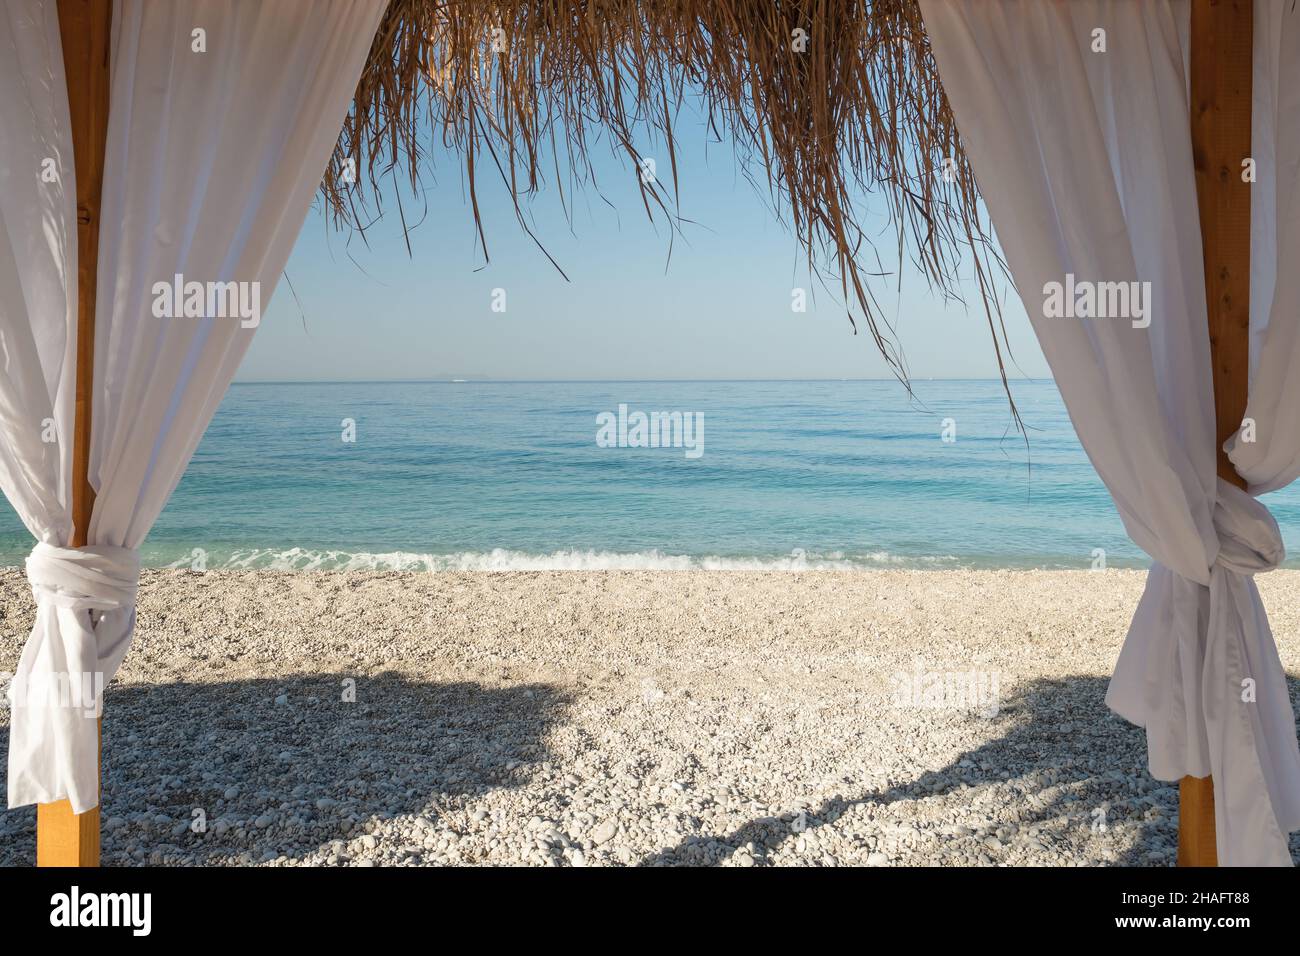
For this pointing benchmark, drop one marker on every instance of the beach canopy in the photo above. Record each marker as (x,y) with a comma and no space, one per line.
(1081,144)
(156,168)
(215,148)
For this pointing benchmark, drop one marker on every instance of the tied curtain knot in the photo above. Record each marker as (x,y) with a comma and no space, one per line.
(89,595)
(1249,538)
(85,613)
(96,578)
(1227,710)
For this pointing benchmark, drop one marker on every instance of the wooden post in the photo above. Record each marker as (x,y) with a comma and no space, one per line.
(64,838)
(1221,57)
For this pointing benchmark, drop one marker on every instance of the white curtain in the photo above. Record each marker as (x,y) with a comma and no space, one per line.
(1084,161)
(217,141)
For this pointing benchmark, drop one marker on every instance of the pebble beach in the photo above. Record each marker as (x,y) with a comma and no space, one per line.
(624,718)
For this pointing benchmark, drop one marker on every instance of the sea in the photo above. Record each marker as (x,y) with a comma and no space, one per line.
(750,475)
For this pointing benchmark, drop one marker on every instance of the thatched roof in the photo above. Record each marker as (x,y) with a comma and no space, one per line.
(851,107)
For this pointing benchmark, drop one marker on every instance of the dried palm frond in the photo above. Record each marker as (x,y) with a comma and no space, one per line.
(833,100)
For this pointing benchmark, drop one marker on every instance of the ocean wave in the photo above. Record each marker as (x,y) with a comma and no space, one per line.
(501,559)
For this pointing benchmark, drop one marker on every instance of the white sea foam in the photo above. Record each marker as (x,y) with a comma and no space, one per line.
(500,559)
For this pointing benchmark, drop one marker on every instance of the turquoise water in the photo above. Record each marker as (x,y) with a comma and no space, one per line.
(510,475)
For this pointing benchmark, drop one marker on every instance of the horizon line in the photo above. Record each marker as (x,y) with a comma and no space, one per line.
(483,380)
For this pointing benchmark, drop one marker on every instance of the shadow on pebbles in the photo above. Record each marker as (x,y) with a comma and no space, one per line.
(619,719)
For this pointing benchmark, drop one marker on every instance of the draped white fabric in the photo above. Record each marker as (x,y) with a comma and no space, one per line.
(38,270)
(212,159)
(1084,161)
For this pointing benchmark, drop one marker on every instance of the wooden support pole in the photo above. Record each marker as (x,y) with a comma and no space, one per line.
(64,838)
(1221,56)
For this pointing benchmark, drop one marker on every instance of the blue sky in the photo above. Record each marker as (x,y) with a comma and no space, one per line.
(719,309)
